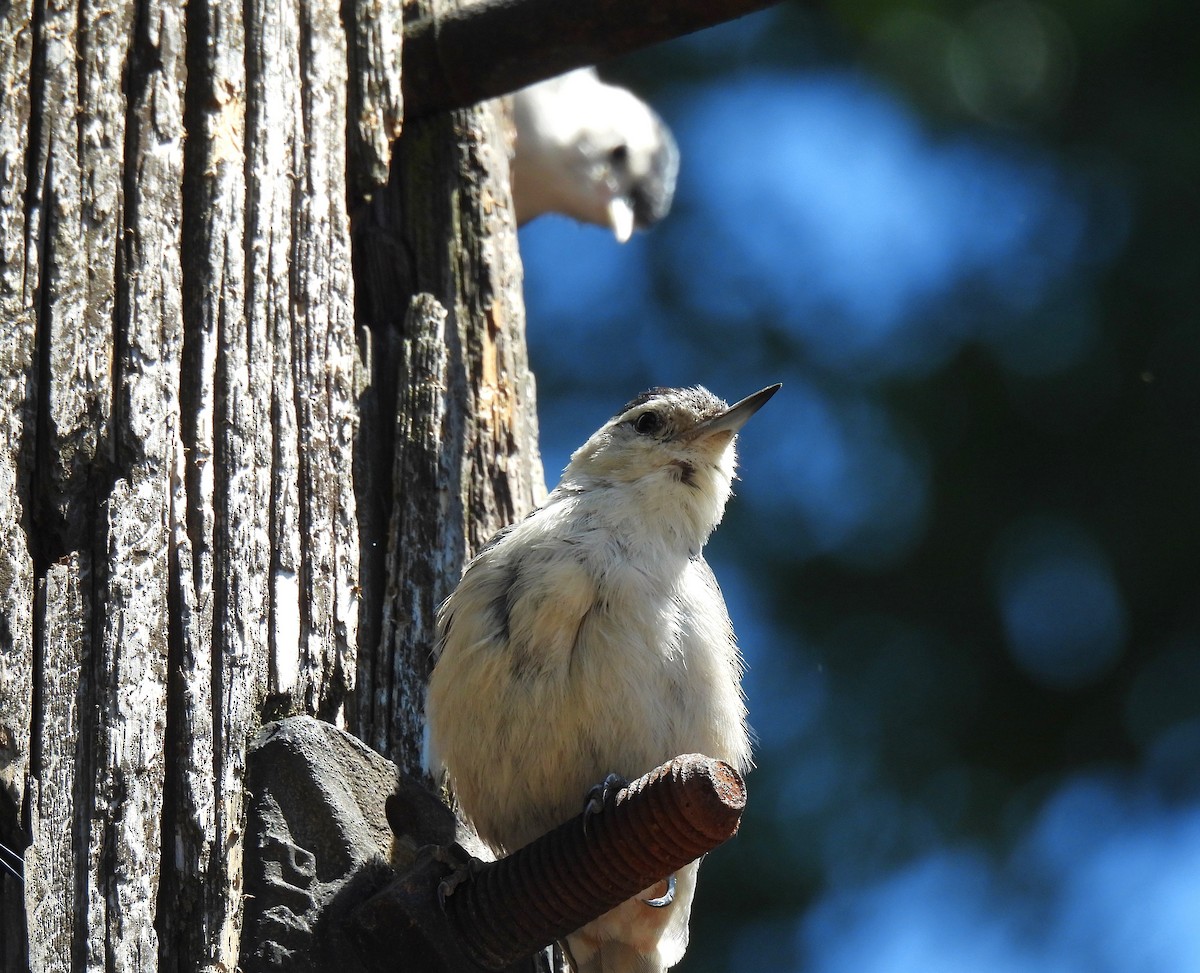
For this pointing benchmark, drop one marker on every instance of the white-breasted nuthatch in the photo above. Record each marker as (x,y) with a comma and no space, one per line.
(591,638)
(592,151)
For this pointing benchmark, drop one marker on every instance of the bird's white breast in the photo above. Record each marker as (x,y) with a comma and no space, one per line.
(612,653)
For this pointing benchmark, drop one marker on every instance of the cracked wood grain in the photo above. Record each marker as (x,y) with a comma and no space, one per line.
(177,418)
(441,238)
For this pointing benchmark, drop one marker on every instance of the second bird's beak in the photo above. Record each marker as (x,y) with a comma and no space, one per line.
(620,218)
(733,418)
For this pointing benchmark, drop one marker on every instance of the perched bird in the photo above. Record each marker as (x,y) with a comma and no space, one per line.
(591,638)
(592,151)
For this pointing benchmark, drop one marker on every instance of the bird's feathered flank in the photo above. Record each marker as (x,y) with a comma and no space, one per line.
(592,151)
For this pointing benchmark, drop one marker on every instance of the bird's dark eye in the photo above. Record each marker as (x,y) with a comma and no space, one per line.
(647,423)
(619,155)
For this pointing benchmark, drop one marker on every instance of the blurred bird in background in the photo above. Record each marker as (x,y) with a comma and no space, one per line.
(592,151)
(591,638)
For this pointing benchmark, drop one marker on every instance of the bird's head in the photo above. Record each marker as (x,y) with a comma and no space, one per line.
(633,162)
(674,446)
(592,151)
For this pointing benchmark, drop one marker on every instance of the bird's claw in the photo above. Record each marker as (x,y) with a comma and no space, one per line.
(463,867)
(447,885)
(600,795)
(666,898)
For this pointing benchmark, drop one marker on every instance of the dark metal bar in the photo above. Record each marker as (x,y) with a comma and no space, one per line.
(485,49)
(563,880)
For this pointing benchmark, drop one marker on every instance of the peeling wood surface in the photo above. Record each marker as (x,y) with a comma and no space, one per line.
(228,488)
(178,536)
(441,233)
(375,32)
(17,585)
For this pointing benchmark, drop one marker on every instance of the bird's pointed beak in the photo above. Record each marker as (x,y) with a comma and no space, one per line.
(736,416)
(620,218)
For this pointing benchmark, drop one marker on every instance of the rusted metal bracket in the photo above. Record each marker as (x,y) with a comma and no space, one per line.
(505,911)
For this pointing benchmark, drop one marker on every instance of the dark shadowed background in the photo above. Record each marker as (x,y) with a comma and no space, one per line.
(962,559)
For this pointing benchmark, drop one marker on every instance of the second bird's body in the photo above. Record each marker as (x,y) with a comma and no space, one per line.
(592,638)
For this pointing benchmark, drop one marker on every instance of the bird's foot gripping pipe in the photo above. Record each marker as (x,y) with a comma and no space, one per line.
(601,796)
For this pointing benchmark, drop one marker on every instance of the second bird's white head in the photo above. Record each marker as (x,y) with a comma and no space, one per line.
(592,151)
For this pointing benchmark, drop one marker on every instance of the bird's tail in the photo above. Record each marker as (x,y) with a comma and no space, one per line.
(636,937)
(616,957)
